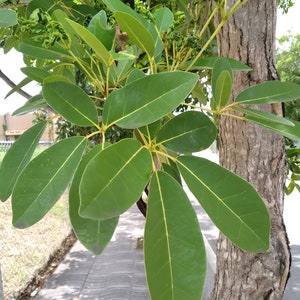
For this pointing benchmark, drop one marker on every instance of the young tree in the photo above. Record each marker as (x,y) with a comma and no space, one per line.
(139,67)
(255,154)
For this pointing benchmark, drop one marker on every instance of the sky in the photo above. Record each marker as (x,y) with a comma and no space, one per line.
(11,63)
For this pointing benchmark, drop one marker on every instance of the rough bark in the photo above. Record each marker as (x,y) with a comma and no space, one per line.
(255,154)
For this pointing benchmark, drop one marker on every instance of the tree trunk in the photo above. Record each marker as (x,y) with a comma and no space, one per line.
(257,155)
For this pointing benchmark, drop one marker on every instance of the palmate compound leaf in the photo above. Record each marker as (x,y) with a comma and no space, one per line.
(188,132)
(18,157)
(44,180)
(71,102)
(92,233)
(146,100)
(174,251)
(232,203)
(114,179)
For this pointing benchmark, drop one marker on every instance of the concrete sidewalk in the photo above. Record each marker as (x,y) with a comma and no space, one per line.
(118,273)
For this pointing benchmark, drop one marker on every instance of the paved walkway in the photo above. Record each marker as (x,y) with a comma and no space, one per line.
(118,273)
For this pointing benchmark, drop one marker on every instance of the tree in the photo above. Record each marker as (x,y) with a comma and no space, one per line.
(256,155)
(139,68)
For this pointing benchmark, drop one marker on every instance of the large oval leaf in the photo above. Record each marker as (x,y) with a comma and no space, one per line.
(8,17)
(17,158)
(114,179)
(146,100)
(44,180)
(231,202)
(71,102)
(269,92)
(174,251)
(188,132)
(93,234)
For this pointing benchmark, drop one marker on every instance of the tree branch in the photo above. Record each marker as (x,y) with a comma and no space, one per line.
(13,85)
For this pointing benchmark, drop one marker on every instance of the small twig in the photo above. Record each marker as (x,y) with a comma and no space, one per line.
(13,85)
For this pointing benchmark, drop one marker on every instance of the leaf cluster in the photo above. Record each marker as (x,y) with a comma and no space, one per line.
(137,72)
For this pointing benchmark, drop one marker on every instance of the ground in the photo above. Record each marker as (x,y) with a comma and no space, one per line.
(29,256)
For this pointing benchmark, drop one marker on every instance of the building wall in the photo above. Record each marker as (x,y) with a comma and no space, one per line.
(13,126)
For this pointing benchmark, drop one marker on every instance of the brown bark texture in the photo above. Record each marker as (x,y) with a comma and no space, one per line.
(257,155)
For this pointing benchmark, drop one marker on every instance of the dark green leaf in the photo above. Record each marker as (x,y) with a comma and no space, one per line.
(174,250)
(231,202)
(222,80)
(44,180)
(291,132)
(93,234)
(208,63)
(34,103)
(269,92)
(36,74)
(114,179)
(264,115)
(18,157)
(71,102)
(188,132)
(146,100)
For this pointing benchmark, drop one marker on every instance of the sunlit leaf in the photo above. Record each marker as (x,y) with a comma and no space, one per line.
(93,234)
(269,92)
(91,40)
(232,203)
(174,251)
(164,18)
(71,102)
(44,180)
(188,132)
(114,179)
(8,17)
(138,34)
(17,157)
(146,100)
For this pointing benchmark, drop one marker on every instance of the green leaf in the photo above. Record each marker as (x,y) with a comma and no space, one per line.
(134,75)
(18,157)
(291,132)
(269,92)
(188,132)
(174,251)
(8,17)
(93,234)
(136,31)
(264,115)
(71,102)
(124,172)
(36,74)
(222,80)
(36,50)
(164,18)
(172,170)
(44,180)
(208,63)
(100,50)
(231,202)
(34,103)
(18,86)
(99,27)
(139,103)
